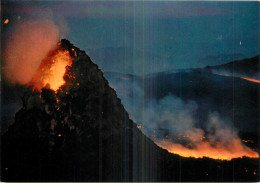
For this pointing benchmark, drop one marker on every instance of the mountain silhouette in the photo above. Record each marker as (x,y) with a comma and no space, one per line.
(245,67)
(83,133)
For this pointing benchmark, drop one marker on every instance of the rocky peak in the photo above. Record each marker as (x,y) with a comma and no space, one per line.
(80,132)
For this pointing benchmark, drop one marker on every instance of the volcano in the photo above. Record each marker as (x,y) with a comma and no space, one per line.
(78,130)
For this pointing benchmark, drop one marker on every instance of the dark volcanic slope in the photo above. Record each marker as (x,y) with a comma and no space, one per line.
(88,136)
(247,67)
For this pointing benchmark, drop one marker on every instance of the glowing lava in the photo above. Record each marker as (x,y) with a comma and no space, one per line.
(205,149)
(139,126)
(245,78)
(246,141)
(6,21)
(51,71)
(250,79)
(54,76)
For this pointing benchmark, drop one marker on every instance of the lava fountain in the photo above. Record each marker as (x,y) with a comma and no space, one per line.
(52,70)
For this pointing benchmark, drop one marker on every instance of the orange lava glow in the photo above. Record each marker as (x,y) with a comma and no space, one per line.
(6,21)
(139,126)
(205,149)
(250,79)
(54,76)
(223,74)
(50,73)
(246,141)
(245,78)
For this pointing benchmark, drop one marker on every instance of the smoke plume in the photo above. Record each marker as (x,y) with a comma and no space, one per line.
(28,44)
(172,124)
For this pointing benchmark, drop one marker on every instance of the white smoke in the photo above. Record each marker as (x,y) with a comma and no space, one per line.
(171,123)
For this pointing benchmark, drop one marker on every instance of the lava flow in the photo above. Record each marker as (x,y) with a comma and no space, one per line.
(250,79)
(52,69)
(245,78)
(201,149)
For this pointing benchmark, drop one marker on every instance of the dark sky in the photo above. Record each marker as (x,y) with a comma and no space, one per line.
(151,36)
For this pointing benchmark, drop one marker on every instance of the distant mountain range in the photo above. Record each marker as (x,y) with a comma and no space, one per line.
(138,62)
(213,88)
(221,59)
(247,67)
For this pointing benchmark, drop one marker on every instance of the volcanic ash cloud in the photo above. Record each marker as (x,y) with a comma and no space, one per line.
(27,46)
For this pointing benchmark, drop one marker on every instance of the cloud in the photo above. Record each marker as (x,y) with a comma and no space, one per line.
(25,48)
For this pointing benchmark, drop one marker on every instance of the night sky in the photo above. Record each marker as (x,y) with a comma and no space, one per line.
(151,39)
(146,37)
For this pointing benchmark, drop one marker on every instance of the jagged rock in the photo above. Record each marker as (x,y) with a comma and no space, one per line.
(86,136)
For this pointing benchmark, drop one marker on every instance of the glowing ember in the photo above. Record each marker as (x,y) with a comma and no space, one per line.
(6,21)
(205,149)
(59,135)
(246,141)
(139,126)
(52,70)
